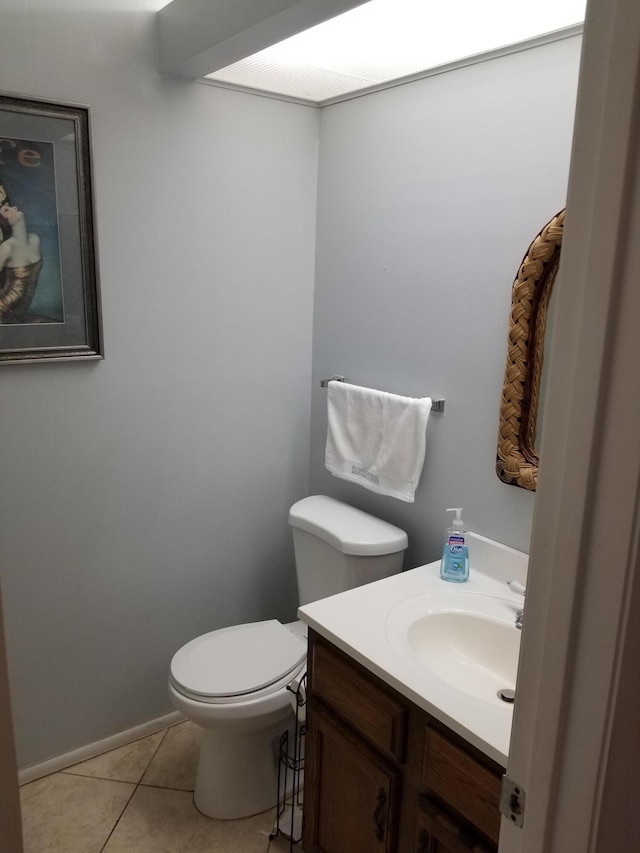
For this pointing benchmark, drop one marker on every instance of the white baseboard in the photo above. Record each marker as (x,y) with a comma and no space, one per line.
(61,762)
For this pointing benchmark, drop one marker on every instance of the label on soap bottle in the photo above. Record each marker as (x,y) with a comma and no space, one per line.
(456,553)
(455,563)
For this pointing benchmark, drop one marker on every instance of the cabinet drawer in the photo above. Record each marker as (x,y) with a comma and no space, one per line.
(462,782)
(355,698)
(438,832)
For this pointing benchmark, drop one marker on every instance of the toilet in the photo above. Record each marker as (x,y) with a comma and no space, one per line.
(232,682)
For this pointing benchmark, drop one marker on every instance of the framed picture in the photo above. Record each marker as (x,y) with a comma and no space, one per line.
(49,293)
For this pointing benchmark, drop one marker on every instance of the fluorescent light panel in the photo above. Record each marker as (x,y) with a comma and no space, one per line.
(386,40)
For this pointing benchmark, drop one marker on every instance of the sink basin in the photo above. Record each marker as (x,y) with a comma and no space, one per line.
(467,640)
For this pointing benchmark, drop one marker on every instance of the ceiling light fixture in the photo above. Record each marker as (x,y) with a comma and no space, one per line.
(387,41)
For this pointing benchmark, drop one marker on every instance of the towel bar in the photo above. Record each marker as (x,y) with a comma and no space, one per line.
(437,404)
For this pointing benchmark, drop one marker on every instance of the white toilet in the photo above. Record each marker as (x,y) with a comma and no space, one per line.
(233,682)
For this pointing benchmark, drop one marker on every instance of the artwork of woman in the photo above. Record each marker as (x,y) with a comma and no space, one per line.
(49,307)
(20,265)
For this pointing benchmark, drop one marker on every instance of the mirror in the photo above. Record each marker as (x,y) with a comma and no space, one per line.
(517,457)
(548,334)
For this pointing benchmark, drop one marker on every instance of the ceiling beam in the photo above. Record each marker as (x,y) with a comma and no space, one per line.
(198,37)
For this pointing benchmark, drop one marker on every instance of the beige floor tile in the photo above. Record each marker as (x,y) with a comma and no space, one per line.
(71,814)
(174,764)
(125,764)
(161,819)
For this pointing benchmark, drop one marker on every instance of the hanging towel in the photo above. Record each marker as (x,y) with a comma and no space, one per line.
(376,439)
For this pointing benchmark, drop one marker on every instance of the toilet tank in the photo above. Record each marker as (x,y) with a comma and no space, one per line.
(338,547)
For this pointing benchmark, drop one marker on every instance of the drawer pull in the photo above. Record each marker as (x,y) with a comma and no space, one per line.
(378,815)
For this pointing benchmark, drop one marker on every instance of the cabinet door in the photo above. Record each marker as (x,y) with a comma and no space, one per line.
(351,794)
(438,832)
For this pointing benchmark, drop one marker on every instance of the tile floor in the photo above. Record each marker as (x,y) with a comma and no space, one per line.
(136,799)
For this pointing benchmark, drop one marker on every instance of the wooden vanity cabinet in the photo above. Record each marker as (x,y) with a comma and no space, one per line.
(382,776)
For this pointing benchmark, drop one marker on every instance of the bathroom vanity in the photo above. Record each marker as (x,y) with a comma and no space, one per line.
(401,756)
(383,775)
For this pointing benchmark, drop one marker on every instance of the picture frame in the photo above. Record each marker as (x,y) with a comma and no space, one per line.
(49,288)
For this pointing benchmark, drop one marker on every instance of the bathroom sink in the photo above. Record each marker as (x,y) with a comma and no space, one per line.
(467,640)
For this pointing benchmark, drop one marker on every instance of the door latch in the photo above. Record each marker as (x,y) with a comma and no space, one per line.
(512,799)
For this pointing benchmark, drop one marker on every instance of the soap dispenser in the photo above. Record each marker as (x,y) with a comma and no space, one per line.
(454,565)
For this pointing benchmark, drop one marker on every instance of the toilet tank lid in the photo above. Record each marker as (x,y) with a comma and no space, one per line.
(346,528)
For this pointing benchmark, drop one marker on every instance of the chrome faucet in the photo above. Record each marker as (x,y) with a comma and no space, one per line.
(516,586)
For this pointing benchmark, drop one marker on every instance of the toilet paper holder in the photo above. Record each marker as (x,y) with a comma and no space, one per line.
(290,769)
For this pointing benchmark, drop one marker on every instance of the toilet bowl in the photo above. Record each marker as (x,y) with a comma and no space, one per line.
(233,682)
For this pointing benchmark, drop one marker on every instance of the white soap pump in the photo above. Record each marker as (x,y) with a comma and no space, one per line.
(454,566)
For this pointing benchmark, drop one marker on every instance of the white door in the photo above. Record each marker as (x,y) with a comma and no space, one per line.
(576,737)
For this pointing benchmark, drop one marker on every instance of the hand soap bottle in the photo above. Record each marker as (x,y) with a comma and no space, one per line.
(454,566)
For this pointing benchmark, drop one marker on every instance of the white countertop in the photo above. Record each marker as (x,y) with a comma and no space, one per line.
(356,622)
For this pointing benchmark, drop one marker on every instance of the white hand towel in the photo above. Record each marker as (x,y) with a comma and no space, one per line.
(376,439)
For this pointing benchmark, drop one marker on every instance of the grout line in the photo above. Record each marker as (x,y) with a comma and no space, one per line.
(165,788)
(97,778)
(137,785)
(113,828)
(155,752)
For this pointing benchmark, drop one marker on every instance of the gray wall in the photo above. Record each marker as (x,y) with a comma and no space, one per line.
(145,497)
(429,195)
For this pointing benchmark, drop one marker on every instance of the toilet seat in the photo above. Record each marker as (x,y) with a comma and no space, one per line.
(240,662)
